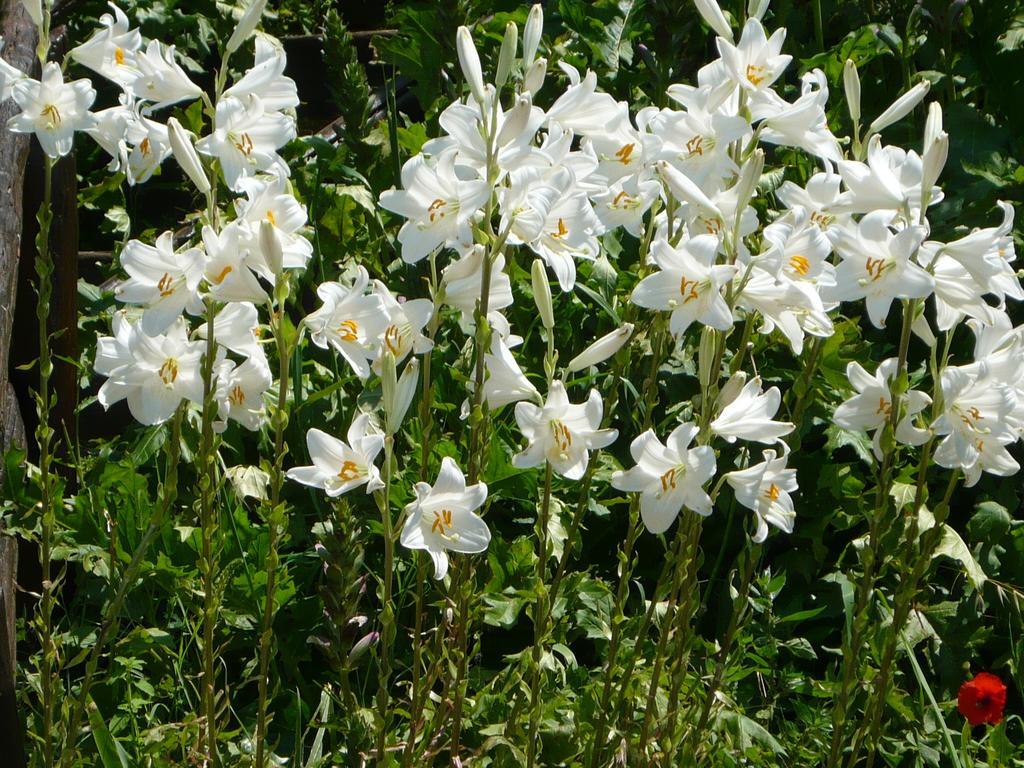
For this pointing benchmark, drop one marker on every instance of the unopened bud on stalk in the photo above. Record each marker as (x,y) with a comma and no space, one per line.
(750,175)
(246,25)
(364,644)
(601,349)
(469,60)
(404,393)
(851,84)
(388,384)
(705,353)
(756,9)
(901,107)
(271,247)
(932,163)
(542,294)
(531,34)
(683,187)
(534,78)
(185,154)
(730,390)
(711,12)
(516,119)
(932,125)
(507,55)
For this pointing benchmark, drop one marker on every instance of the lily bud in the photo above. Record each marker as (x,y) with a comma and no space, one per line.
(362,646)
(534,79)
(185,154)
(750,175)
(516,119)
(271,246)
(730,390)
(851,84)
(34,8)
(705,355)
(711,12)
(246,25)
(404,393)
(542,294)
(507,55)
(901,107)
(933,162)
(532,33)
(469,60)
(388,386)
(683,187)
(756,9)
(601,349)
(932,125)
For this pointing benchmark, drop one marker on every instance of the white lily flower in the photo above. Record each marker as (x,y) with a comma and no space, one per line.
(817,198)
(154,373)
(266,79)
(406,320)
(160,79)
(757,61)
(696,142)
(871,408)
(583,109)
(689,284)
(52,109)
(800,124)
(110,131)
(750,416)
(246,138)
(111,50)
(443,518)
(625,203)
(161,280)
(437,204)
(765,488)
(339,467)
(562,433)
(240,390)
(877,266)
(150,146)
(267,200)
(601,349)
(350,321)
(784,303)
(668,477)
(505,383)
(237,327)
(9,75)
(228,276)
(461,281)
(976,422)
(889,181)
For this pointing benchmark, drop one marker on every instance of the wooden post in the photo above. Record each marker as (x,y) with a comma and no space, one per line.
(19,50)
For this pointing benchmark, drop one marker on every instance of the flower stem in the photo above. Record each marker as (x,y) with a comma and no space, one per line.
(540,612)
(208,524)
(387,609)
(865,587)
(276,513)
(49,679)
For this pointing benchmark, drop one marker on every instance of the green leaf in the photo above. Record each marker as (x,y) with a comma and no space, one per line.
(953,546)
(112,754)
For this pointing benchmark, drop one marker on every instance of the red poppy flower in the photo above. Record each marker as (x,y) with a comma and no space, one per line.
(982,699)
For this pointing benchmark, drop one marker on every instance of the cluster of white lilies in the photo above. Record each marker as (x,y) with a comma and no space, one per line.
(507,173)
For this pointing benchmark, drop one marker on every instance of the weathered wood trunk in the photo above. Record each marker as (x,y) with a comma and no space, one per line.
(19,49)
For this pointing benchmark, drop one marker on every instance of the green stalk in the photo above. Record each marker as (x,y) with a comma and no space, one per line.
(208,524)
(426,433)
(387,611)
(540,611)
(111,618)
(865,587)
(277,512)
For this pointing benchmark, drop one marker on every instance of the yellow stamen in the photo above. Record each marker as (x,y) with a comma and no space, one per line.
(271,219)
(563,437)
(119,55)
(349,471)
(624,153)
(884,406)
(51,113)
(562,231)
(245,145)
(166,285)
(668,480)
(755,75)
(874,267)
(695,146)
(772,494)
(144,147)
(436,209)
(393,339)
(688,290)
(800,264)
(169,371)
(442,522)
(237,396)
(219,277)
(348,330)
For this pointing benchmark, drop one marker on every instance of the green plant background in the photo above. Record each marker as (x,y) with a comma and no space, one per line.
(780,677)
